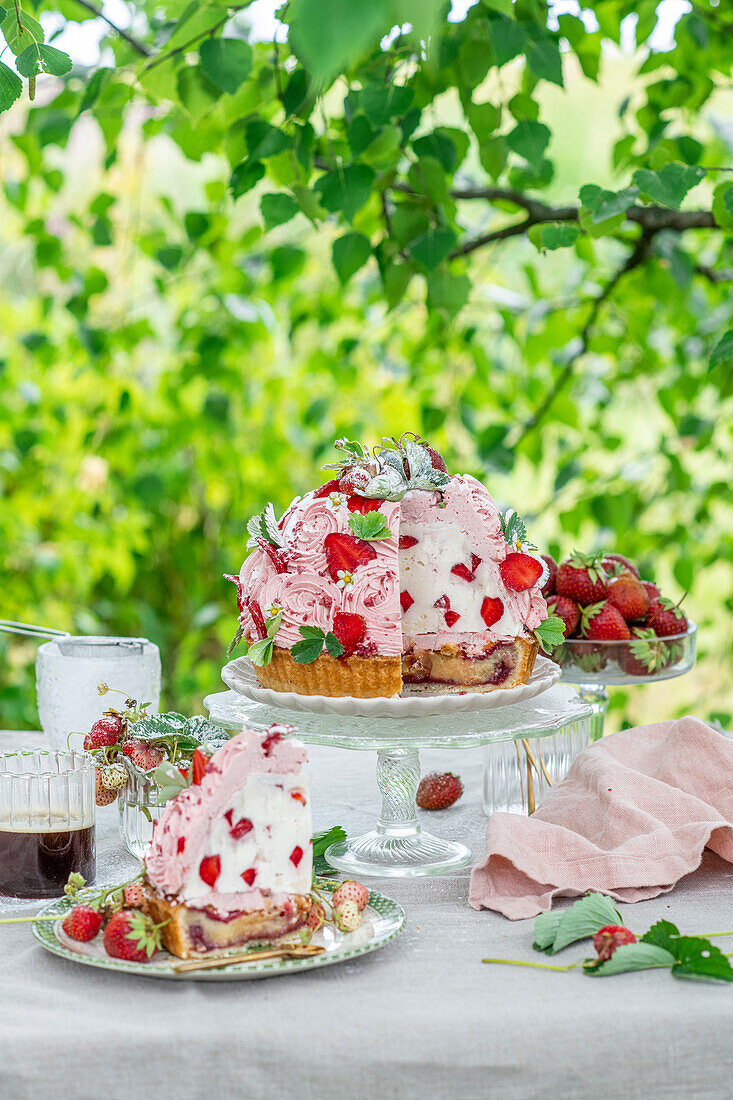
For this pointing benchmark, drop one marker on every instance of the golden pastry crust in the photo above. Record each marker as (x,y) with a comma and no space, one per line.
(360,677)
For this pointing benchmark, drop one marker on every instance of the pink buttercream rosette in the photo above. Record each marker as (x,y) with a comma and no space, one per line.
(306,599)
(374,595)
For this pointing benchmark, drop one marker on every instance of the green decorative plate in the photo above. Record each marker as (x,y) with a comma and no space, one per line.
(382,919)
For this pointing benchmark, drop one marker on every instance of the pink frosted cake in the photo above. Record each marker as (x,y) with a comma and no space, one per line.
(231,856)
(392,572)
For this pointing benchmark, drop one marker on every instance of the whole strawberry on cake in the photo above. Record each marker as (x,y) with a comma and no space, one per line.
(394,572)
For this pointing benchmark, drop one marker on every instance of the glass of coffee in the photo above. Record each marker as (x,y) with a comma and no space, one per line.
(47,812)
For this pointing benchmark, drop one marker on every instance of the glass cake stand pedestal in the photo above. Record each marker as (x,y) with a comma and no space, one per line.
(398,846)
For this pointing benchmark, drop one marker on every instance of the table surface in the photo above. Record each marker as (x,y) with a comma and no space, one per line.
(420,1018)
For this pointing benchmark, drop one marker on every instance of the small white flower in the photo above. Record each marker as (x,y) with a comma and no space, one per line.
(335,500)
(273,610)
(345,579)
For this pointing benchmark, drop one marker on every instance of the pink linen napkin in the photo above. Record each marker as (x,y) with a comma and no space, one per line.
(631,817)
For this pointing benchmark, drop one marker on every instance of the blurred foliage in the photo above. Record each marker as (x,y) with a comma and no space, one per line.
(219,255)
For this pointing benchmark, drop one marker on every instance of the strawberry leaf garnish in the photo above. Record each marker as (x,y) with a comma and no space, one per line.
(550,633)
(264,526)
(555,930)
(260,653)
(630,956)
(310,647)
(371,526)
(514,530)
(333,645)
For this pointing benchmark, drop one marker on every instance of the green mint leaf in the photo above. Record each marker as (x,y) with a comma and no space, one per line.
(630,956)
(261,652)
(550,633)
(333,645)
(371,526)
(581,920)
(303,653)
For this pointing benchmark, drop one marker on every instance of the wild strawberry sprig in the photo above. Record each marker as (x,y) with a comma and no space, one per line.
(343,908)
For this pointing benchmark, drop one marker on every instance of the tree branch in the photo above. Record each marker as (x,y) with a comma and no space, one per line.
(138,46)
(192,41)
(713,275)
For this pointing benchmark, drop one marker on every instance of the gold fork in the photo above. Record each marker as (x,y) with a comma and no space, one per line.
(292,951)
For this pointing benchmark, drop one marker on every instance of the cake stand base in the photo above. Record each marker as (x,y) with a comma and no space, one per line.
(398,846)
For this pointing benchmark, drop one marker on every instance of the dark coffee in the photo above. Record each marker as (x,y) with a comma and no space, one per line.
(37,865)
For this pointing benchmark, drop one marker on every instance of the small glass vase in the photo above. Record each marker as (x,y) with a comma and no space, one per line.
(518,774)
(139,807)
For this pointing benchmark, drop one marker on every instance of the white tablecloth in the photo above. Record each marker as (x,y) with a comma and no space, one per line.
(420,1018)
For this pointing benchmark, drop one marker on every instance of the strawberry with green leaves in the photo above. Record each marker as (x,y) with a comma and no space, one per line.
(665,618)
(602,622)
(582,578)
(132,936)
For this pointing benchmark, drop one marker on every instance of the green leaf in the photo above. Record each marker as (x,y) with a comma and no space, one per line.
(545,60)
(607,204)
(553,235)
(432,247)
(333,645)
(447,292)
(550,632)
(370,526)
(277,208)
(630,956)
(11,87)
(307,650)
(383,102)
(723,205)
(670,184)
(698,958)
(662,934)
(263,140)
(245,176)
(345,190)
(322,841)
(507,39)
(581,920)
(38,58)
(328,34)
(260,653)
(723,350)
(226,61)
(529,140)
(20,30)
(349,253)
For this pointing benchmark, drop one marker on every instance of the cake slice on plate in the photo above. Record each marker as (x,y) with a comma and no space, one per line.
(231,859)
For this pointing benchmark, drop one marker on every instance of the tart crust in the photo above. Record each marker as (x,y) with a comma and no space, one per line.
(360,677)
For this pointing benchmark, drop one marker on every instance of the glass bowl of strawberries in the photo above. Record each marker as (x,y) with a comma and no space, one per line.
(619,628)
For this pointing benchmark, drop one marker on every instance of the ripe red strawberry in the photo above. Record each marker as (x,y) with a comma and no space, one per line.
(607,939)
(520,571)
(353,479)
(617,563)
(492,610)
(134,895)
(103,796)
(241,828)
(451,618)
(132,936)
(646,654)
(665,618)
(406,541)
(582,578)
(362,504)
(442,602)
(209,870)
(199,764)
(406,600)
(346,552)
(603,622)
(106,731)
(438,791)
(349,628)
(436,458)
(82,923)
(298,796)
(249,875)
(258,618)
(461,570)
(567,610)
(628,595)
(273,554)
(351,891)
(296,855)
(651,590)
(333,486)
(142,753)
(548,588)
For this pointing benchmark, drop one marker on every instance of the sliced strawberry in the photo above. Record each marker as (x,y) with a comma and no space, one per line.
(462,571)
(249,875)
(442,601)
(406,600)
(451,617)
(349,629)
(475,562)
(298,796)
(199,762)
(258,618)
(240,590)
(210,869)
(181,844)
(333,486)
(363,505)
(242,827)
(520,571)
(228,817)
(270,740)
(346,552)
(272,554)
(184,772)
(296,855)
(406,541)
(492,610)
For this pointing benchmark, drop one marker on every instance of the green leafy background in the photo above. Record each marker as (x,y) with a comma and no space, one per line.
(504,231)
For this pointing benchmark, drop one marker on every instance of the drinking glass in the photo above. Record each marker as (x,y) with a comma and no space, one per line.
(47,811)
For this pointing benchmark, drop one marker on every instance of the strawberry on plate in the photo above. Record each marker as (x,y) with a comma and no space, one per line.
(520,571)
(629,596)
(582,578)
(602,622)
(132,936)
(82,923)
(345,553)
(665,618)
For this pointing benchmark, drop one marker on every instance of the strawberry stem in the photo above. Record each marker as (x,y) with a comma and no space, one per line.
(534,965)
(22,920)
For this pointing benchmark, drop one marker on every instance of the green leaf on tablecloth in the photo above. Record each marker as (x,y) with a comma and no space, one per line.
(661,934)
(581,920)
(700,960)
(630,956)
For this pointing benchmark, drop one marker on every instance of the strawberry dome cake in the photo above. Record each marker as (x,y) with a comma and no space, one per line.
(392,573)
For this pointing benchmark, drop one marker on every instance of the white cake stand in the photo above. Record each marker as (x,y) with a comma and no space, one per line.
(398,846)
